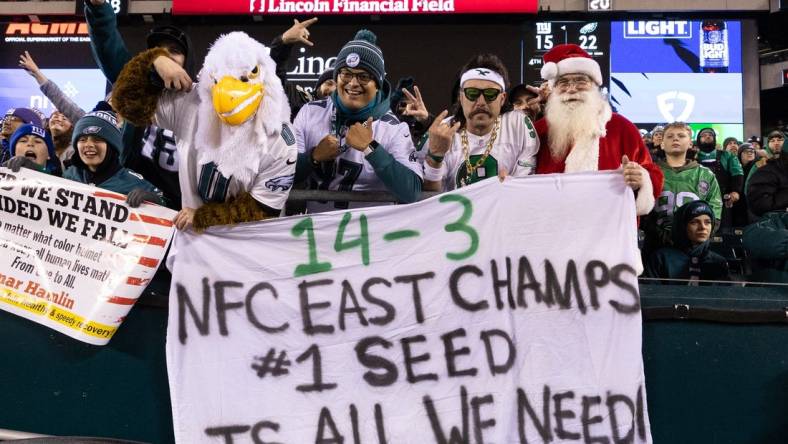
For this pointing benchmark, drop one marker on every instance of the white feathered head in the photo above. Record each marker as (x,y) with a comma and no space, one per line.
(242,105)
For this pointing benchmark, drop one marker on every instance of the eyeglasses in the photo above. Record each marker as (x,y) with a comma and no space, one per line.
(473,94)
(580,82)
(363,77)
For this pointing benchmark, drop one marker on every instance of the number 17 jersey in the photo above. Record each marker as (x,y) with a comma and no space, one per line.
(350,171)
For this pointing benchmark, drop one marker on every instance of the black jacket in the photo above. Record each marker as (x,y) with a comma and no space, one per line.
(296,95)
(767,189)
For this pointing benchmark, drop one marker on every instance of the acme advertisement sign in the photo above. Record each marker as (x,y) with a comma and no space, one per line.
(342,7)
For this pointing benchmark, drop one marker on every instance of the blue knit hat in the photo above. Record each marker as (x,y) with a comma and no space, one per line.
(103,124)
(53,163)
(361,52)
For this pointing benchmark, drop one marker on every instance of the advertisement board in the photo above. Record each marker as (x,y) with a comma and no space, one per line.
(343,7)
(685,70)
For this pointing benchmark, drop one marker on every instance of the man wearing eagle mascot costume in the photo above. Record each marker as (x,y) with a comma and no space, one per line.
(233,127)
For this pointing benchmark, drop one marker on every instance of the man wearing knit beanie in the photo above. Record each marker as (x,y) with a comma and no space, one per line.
(362,53)
(351,140)
(32,148)
(96,161)
(726,168)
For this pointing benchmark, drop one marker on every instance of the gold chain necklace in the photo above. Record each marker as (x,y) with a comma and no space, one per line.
(466,149)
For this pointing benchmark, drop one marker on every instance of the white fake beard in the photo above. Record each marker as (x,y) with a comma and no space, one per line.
(575,124)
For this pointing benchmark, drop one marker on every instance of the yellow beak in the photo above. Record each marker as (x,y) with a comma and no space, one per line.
(235,101)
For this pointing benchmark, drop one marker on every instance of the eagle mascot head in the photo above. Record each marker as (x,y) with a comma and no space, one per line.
(242,106)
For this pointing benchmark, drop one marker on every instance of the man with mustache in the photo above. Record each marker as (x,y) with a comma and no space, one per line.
(485,138)
(581,133)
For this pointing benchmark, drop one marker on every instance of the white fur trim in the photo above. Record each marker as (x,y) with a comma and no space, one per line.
(549,71)
(645,201)
(580,65)
(482,74)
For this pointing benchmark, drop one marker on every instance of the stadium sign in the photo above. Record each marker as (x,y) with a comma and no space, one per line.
(343,7)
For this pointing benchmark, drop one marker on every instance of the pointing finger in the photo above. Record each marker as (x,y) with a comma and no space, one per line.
(309,22)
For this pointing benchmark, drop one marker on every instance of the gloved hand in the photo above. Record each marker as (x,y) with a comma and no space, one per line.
(18,162)
(137,196)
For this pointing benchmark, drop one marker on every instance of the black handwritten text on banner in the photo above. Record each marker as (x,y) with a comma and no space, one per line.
(485,315)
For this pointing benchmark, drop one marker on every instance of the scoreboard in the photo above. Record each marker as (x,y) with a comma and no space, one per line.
(540,37)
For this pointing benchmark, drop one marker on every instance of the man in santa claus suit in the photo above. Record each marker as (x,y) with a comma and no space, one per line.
(579,131)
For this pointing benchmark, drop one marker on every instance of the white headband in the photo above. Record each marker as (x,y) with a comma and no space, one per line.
(482,74)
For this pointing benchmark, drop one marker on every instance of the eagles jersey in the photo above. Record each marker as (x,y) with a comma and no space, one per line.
(685,184)
(349,171)
(514,151)
(202,182)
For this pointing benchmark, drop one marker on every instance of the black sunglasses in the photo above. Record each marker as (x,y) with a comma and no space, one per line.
(489,94)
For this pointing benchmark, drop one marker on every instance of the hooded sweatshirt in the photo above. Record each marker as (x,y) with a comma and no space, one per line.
(726,166)
(684,260)
(767,188)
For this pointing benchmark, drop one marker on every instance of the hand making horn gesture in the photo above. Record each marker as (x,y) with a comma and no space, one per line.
(298,32)
(441,135)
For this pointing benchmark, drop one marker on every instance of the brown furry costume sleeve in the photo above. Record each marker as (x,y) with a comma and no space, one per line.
(134,96)
(241,208)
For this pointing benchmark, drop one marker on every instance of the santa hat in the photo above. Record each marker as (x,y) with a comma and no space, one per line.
(570,59)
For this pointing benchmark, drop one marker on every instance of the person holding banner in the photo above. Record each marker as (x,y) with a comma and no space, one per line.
(581,133)
(96,161)
(33,148)
(485,138)
(351,140)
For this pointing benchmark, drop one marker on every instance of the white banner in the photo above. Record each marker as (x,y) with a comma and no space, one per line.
(502,312)
(75,257)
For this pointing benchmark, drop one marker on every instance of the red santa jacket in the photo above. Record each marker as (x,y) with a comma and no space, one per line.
(622,138)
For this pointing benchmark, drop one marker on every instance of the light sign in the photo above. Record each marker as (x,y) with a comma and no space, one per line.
(344,7)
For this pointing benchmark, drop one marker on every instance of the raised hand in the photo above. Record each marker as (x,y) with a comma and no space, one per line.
(27,63)
(359,136)
(441,135)
(172,74)
(298,32)
(415,105)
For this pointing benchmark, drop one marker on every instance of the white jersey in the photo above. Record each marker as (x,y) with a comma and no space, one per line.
(203,183)
(350,170)
(514,151)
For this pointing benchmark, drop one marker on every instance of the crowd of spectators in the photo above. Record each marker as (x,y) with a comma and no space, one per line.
(355,132)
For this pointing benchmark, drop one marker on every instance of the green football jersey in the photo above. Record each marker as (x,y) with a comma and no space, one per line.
(729,162)
(685,184)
